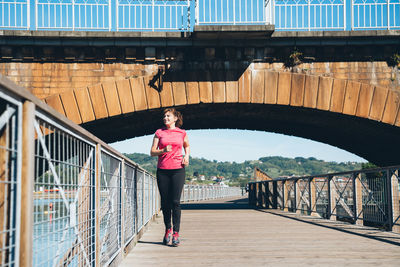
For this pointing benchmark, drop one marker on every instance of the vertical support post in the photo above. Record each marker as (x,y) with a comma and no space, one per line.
(109,15)
(388,199)
(136,201)
(388,14)
(297,198)
(28,15)
(97,205)
(122,206)
(332,199)
(197,10)
(344,15)
(309,16)
(274,195)
(27,185)
(351,13)
(234,12)
(73,15)
(283,195)
(5,205)
(265,194)
(84,214)
(313,197)
(357,206)
(395,201)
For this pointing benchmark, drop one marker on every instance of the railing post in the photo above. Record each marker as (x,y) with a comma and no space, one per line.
(234,12)
(395,201)
(388,14)
(197,12)
(344,15)
(297,196)
(357,198)
(309,17)
(73,15)
(135,182)
(332,192)
(275,195)
(122,205)
(97,205)
(388,199)
(109,14)
(27,185)
(351,14)
(283,195)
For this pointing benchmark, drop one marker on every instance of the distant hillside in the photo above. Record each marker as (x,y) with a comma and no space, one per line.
(274,166)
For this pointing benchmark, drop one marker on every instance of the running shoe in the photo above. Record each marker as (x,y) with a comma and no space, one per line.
(167,237)
(175,239)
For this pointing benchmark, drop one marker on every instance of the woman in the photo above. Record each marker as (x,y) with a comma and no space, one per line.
(167,145)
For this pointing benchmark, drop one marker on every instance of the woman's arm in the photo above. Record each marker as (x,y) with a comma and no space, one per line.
(186,147)
(154,151)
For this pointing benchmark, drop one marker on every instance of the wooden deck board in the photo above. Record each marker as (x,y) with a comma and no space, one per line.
(220,233)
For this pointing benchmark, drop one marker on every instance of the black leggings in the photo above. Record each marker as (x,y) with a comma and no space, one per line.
(170,184)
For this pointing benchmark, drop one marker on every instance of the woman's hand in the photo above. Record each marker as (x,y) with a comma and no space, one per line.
(168,148)
(185,160)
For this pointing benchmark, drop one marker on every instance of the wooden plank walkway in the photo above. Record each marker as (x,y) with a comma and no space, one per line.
(229,233)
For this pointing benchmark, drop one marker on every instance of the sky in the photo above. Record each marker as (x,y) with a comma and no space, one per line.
(241,145)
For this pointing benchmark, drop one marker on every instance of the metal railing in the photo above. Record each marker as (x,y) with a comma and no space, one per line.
(208,192)
(153,15)
(81,198)
(83,202)
(309,14)
(182,15)
(375,14)
(370,197)
(10,178)
(230,12)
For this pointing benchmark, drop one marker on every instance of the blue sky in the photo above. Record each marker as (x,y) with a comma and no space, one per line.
(241,145)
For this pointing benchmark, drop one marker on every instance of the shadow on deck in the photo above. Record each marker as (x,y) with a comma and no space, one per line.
(242,203)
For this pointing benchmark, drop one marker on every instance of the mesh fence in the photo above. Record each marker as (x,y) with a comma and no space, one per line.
(63,198)
(110,207)
(9,180)
(130,205)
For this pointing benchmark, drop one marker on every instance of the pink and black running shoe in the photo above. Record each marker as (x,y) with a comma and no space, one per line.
(167,237)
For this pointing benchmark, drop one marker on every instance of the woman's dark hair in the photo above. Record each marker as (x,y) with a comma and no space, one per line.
(177,114)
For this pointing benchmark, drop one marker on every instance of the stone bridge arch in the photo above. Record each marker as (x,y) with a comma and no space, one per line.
(360,118)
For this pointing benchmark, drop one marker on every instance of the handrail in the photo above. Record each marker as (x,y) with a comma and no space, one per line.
(369,197)
(183,15)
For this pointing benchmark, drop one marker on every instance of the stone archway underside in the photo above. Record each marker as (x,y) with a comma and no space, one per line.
(360,118)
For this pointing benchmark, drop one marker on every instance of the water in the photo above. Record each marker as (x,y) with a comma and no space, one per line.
(51,236)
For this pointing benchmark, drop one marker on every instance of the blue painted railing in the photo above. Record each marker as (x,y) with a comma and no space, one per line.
(183,15)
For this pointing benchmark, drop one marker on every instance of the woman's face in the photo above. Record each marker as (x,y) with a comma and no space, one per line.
(169,118)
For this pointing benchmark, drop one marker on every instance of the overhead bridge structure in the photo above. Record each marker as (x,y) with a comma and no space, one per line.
(360,118)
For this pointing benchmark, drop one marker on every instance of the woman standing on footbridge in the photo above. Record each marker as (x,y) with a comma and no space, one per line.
(167,145)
